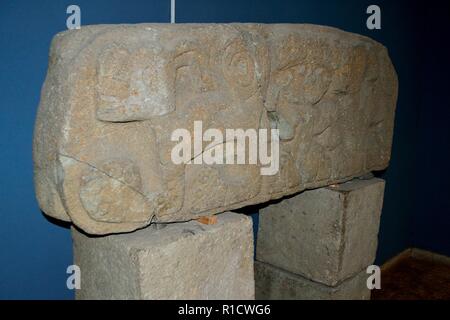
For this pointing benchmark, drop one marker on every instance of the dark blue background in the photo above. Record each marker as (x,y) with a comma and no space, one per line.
(35,253)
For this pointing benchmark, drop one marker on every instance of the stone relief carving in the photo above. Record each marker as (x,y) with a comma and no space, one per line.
(114,94)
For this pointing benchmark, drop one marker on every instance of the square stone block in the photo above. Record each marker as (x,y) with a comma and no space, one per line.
(327,234)
(179,261)
(273,283)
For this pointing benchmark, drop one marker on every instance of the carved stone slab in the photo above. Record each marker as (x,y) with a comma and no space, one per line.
(114,94)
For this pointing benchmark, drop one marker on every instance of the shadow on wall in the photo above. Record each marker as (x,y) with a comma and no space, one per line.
(59,223)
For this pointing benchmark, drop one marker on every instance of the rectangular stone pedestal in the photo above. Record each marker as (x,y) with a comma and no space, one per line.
(274,283)
(327,234)
(179,261)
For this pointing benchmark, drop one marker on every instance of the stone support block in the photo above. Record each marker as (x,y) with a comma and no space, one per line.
(274,283)
(179,261)
(327,234)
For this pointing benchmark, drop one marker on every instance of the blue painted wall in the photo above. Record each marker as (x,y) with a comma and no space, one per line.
(34,253)
(430,227)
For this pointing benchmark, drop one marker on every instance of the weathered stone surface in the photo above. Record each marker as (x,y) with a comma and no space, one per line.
(273,283)
(114,94)
(180,261)
(327,235)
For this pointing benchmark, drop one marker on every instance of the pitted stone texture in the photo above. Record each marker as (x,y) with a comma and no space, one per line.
(180,261)
(327,235)
(276,284)
(114,94)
